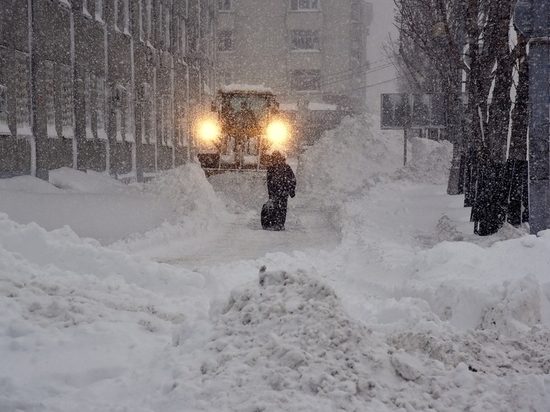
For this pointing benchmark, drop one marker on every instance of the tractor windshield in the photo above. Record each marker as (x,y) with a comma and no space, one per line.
(259,104)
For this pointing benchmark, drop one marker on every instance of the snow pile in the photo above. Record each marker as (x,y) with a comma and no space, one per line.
(241,191)
(351,158)
(286,343)
(430,163)
(92,204)
(196,208)
(27,249)
(188,187)
(345,160)
(28,184)
(512,307)
(340,170)
(292,347)
(89,182)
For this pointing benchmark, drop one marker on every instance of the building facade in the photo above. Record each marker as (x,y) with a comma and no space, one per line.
(106,85)
(310,52)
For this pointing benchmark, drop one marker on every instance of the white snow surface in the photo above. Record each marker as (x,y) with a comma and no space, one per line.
(167,296)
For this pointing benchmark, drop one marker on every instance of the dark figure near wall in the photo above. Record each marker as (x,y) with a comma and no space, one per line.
(281,183)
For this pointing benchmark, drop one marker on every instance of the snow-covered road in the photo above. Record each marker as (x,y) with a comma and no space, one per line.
(376,298)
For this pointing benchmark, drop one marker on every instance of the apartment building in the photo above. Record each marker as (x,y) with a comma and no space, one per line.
(310,52)
(106,85)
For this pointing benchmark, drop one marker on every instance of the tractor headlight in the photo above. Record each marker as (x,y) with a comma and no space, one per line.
(208,130)
(277,132)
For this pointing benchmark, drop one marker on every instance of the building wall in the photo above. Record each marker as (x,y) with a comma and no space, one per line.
(100,84)
(263,50)
(15,116)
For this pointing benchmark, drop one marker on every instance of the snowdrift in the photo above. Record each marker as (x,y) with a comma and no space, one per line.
(285,342)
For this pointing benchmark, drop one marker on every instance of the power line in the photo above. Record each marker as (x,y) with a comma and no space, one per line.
(349,76)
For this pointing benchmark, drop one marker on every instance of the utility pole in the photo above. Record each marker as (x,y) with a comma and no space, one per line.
(532,18)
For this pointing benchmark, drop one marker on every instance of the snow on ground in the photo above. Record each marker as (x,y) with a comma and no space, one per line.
(167,295)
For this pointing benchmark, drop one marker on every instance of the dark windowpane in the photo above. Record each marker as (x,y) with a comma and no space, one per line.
(225,40)
(305,40)
(306,80)
(304,4)
(224,4)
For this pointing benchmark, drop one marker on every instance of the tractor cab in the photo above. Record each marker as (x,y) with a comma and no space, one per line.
(242,130)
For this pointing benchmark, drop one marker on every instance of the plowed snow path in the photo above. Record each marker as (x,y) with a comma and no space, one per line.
(242,238)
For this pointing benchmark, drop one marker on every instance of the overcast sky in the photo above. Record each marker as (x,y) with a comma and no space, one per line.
(382,26)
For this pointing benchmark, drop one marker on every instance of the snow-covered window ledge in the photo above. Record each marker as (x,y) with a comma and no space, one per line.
(65,3)
(24,130)
(4,129)
(67,132)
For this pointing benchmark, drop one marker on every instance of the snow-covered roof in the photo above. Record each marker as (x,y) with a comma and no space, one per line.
(249,88)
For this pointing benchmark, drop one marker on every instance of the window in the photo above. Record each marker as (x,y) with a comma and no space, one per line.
(158,27)
(225,40)
(22,96)
(305,40)
(129,125)
(304,4)
(183,37)
(145,108)
(167,29)
(140,19)
(119,102)
(355,12)
(167,121)
(224,77)
(148,19)
(66,100)
(148,114)
(224,5)
(100,108)
(181,124)
(4,127)
(122,16)
(85,10)
(49,99)
(89,80)
(306,80)
(99,10)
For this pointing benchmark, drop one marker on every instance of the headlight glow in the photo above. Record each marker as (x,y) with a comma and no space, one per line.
(277,132)
(209,130)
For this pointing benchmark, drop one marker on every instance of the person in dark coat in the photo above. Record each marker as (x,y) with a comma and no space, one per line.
(281,183)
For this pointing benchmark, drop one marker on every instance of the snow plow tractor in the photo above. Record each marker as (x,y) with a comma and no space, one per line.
(242,130)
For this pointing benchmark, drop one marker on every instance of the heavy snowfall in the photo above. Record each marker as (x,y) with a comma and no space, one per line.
(168,296)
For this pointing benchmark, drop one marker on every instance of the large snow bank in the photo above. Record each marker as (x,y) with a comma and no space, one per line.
(429,162)
(62,252)
(351,158)
(196,208)
(348,162)
(345,159)
(286,343)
